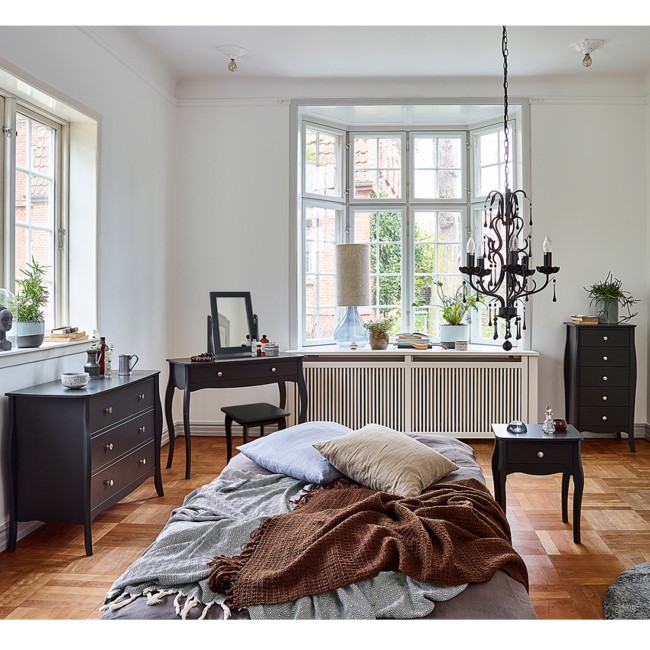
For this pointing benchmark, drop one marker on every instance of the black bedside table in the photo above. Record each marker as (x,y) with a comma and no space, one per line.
(538,453)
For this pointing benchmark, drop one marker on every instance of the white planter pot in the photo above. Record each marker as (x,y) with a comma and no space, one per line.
(449,334)
(30,334)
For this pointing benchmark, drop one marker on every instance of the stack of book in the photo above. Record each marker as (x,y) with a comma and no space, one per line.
(583,319)
(417,341)
(66,335)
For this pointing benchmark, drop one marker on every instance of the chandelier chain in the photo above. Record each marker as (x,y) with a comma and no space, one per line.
(506,140)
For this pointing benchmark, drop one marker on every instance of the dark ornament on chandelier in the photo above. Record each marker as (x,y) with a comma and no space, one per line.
(503,269)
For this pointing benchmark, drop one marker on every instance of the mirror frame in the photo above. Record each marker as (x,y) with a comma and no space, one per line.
(238,349)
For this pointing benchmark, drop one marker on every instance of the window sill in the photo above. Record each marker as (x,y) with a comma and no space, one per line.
(20,356)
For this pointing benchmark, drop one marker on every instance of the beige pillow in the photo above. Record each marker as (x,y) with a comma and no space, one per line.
(384,459)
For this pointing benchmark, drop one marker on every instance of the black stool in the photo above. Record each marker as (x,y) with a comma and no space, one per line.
(252,415)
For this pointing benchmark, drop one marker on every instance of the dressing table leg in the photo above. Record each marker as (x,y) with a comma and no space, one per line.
(169,398)
(186,428)
(228,438)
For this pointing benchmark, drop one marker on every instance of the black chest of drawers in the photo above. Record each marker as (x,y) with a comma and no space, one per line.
(75,453)
(600,378)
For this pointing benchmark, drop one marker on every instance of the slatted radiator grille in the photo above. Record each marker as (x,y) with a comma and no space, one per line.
(467,399)
(357,395)
(459,398)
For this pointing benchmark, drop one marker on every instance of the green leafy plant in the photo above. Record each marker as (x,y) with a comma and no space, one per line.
(608,291)
(382,325)
(455,308)
(31,294)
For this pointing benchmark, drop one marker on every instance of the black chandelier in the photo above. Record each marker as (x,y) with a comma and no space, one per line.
(502,269)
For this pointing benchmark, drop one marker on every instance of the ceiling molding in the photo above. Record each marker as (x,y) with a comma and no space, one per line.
(222,102)
(135,68)
(616,101)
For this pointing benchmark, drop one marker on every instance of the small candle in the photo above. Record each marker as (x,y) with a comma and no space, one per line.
(547,247)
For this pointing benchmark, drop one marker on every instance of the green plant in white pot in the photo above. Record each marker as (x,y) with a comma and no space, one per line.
(31,297)
(453,310)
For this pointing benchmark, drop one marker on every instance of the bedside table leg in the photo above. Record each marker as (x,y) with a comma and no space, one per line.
(88,538)
(565,497)
(498,477)
(13,535)
(578,486)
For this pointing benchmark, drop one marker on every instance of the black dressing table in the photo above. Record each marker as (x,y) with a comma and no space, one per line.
(229,371)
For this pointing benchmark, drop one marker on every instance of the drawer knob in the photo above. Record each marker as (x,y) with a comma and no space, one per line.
(141,396)
(604,338)
(142,429)
(108,410)
(605,378)
(109,446)
(604,417)
(109,482)
(220,374)
(604,398)
(604,358)
(273,369)
(143,461)
(540,454)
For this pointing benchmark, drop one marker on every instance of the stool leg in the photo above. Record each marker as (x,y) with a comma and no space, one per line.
(261,430)
(282,423)
(245,434)
(228,437)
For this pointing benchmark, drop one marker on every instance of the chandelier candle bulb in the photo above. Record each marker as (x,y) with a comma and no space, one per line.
(470,251)
(547,247)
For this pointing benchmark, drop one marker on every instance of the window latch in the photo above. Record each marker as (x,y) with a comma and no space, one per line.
(60,236)
(8,132)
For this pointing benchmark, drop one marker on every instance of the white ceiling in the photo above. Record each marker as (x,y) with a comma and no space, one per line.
(294,52)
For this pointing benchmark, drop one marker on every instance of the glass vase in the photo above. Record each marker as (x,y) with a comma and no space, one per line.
(351,330)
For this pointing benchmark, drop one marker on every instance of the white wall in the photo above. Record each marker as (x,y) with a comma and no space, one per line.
(138,133)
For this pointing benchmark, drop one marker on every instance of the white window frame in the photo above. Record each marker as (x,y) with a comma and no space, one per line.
(463,162)
(466,204)
(340,161)
(401,135)
(59,254)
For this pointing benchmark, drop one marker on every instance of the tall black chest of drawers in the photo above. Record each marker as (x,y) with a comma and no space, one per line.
(75,453)
(600,378)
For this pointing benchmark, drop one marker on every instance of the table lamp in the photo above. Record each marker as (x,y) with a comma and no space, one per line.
(352,291)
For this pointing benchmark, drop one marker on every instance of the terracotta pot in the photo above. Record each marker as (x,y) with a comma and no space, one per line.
(378,341)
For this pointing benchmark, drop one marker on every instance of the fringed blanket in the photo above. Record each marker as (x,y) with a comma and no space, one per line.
(342,533)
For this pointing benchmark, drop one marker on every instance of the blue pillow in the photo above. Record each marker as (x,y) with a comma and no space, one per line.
(290,451)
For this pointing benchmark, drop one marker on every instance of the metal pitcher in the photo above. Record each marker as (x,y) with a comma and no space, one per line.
(126,366)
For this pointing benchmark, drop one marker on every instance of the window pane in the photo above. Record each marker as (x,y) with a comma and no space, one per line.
(437,167)
(448,258)
(323,166)
(34,202)
(320,278)
(425,258)
(449,226)
(489,144)
(390,292)
(377,167)
(489,180)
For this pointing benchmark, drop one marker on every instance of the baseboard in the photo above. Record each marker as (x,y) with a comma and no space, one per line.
(647,431)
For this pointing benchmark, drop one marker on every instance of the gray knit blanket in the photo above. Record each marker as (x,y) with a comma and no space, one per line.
(218,519)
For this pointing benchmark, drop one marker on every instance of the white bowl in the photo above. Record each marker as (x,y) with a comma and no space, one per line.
(75,379)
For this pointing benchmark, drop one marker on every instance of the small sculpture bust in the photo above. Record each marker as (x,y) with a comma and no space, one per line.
(6,322)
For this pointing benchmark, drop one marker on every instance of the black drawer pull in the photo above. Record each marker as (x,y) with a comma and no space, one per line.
(109,482)
(142,429)
(108,410)
(540,454)
(109,446)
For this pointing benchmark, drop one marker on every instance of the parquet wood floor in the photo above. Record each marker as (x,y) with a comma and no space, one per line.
(49,576)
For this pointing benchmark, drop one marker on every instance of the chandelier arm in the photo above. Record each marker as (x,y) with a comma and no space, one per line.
(481,289)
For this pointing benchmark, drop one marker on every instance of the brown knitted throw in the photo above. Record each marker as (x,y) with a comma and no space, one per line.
(343,533)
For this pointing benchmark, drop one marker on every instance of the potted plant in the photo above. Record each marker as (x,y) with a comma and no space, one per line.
(27,306)
(379,332)
(607,296)
(453,311)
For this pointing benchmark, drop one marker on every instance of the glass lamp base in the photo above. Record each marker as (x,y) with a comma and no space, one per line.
(351,330)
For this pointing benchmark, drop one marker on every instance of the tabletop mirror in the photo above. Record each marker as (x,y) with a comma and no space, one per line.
(232,321)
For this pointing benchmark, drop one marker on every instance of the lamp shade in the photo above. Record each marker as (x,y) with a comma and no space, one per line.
(352,274)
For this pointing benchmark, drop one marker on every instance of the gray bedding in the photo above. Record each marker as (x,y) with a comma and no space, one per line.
(500,598)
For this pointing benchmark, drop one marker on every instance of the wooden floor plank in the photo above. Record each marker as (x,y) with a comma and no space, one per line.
(49,576)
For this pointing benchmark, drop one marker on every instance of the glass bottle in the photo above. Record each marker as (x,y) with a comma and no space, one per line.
(102,355)
(549,425)
(264,341)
